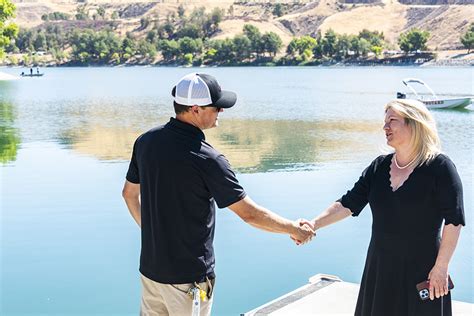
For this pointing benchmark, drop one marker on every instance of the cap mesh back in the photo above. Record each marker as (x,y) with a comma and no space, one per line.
(182,89)
(192,90)
(200,90)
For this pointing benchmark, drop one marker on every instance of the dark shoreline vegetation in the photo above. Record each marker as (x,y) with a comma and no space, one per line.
(187,40)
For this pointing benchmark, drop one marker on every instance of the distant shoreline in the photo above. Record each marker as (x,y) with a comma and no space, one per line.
(416,60)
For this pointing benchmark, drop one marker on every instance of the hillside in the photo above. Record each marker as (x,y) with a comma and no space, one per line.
(444,22)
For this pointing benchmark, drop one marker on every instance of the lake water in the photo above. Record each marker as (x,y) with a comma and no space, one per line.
(298,137)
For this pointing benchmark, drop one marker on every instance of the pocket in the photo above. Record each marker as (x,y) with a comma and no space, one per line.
(183,288)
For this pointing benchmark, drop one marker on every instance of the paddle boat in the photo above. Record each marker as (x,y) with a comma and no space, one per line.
(433,102)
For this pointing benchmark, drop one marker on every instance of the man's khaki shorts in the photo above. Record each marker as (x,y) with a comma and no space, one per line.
(170,299)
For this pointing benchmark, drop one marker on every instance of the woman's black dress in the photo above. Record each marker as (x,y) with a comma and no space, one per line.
(405,234)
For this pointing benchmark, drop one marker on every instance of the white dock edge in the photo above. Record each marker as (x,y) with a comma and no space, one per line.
(327,295)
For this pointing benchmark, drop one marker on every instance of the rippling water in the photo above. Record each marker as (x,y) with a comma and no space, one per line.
(298,137)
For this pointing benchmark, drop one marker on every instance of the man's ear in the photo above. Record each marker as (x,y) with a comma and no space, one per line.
(195,109)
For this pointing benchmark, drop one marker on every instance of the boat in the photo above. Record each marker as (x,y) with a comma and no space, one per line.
(433,102)
(32,75)
(327,295)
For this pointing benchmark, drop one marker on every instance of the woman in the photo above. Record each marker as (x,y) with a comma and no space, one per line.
(410,193)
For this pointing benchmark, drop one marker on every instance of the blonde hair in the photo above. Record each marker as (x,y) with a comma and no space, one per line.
(424,135)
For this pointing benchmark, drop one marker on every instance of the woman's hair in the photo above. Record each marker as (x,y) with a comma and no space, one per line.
(424,135)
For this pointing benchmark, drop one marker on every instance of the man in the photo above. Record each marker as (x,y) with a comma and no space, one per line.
(173,180)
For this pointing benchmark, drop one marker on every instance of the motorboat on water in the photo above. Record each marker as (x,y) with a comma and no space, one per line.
(433,102)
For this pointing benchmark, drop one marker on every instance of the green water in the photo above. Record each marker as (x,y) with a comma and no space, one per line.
(298,137)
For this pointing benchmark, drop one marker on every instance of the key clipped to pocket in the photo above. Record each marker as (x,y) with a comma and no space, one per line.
(197,295)
(195,292)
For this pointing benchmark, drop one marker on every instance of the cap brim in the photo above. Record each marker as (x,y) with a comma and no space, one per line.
(227,100)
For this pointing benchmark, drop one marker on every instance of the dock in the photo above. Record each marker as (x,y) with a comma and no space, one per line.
(327,295)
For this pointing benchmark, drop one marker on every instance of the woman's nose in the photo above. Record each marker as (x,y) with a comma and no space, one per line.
(385,126)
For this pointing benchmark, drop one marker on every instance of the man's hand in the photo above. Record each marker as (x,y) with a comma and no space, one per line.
(304,231)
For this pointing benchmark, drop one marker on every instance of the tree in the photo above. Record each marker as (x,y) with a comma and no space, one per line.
(225,51)
(169,49)
(243,46)
(467,39)
(128,47)
(278,10)
(40,42)
(181,11)
(81,13)
(329,43)
(189,30)
(189,45)
(7,31)
(364,46)
(101,12)
(255,37)
(146,50)
(343,45)
(271,43)
(91,46)
(375,38)
(301,48)
(413,40)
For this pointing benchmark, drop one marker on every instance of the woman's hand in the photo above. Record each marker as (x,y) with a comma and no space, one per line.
(303,222)
(438,278)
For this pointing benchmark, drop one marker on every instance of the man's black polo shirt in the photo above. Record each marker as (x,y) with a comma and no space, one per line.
(180,177)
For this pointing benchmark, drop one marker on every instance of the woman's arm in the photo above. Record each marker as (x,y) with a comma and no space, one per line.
(438,275)
(332,214)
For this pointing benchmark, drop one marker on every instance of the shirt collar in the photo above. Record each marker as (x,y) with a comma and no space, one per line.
(186,128)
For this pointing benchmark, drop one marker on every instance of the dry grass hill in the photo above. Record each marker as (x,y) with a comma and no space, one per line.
(445,22)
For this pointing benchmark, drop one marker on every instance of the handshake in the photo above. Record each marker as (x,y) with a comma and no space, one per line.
(304,231)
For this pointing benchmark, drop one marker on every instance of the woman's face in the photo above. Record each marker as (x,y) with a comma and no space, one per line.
(397,132)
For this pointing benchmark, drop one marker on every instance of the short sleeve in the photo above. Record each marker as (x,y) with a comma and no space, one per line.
(449,192)
(222,182)
(358,197)
(132,173)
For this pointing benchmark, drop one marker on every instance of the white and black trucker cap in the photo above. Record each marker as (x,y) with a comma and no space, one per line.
(202,90)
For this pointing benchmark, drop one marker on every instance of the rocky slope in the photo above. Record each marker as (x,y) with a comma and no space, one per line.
(446,20)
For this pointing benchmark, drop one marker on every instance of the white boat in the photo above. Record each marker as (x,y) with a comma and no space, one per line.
(433,102)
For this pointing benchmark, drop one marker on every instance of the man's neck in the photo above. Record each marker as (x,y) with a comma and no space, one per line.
(186,119)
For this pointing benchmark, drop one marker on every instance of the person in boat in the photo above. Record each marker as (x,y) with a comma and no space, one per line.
(31,71)
(172,182)
(37,70)
(411,192)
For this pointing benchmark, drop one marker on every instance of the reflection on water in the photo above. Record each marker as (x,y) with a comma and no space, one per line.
(250,145)
(9,138)
(266,145)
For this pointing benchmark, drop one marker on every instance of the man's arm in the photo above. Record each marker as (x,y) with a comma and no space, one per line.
(131,195)
(258,216)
